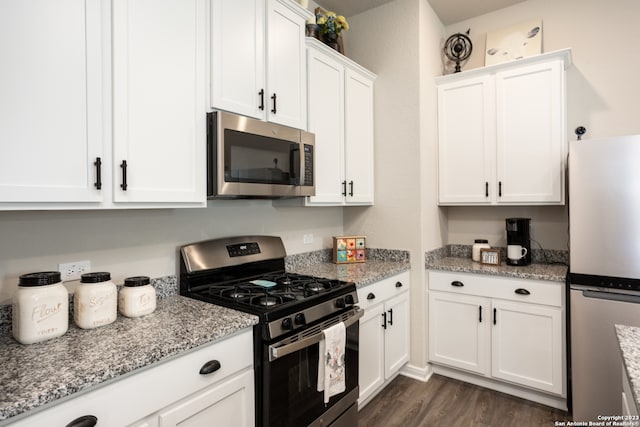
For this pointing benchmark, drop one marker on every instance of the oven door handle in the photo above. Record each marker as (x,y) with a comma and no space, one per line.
(276,351)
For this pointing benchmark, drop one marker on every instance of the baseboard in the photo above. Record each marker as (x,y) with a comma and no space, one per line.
(417,373)
(557,402)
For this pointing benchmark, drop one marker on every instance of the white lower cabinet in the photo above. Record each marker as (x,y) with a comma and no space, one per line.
(173,393)
(505,330)
(384,333)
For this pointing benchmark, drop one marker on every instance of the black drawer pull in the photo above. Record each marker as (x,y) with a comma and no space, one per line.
(371,296)
(457,284)
(210,367)
(398,284)
(98,165)
(84,421)
(123,166)
(522,291)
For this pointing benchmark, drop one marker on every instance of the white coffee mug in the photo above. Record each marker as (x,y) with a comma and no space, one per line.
(516,252)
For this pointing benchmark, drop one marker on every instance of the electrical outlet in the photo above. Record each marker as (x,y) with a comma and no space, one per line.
(73,270)
(307,239)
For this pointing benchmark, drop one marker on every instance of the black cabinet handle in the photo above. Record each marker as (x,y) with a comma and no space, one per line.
(500,189)
(274,99)
(84,421)
(486,189)
(457,284)
(494,316)
(398,284)
(98,165)
(384,320)
(390,317)
(210,367)
(344,188)
(351,188)
(371,296)
(480,313)
(123,166)
(261,94)
(522,291)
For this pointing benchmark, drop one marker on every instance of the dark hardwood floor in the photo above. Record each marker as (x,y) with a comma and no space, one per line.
(442,402)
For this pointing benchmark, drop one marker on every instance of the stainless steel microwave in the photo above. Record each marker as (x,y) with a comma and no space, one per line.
(249,158)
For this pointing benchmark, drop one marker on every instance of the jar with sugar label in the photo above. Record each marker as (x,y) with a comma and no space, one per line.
(137,297)
(95,302)
(40,308)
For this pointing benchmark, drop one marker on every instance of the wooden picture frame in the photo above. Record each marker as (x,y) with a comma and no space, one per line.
(349,249)
(490,256)
(321,11)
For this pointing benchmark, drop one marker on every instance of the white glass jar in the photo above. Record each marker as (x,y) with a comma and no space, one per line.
(137,297)
(477,246)
(40,308)
(95,302)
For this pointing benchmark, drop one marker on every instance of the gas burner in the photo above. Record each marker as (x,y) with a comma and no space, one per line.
(267,301)
(314,287)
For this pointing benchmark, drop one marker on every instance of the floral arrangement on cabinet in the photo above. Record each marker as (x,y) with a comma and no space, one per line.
(330,27)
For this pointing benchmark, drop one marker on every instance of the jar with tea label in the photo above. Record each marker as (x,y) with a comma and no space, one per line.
(137,297)
(40,307)
(96,301)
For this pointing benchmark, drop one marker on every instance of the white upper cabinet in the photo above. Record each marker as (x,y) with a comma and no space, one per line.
(51,103)
(258,59)
(502,133)
(341,117)
(159,102)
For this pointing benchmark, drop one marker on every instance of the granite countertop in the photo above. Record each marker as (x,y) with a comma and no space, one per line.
(546,265)
(629,341)
(37,374)
(362,274)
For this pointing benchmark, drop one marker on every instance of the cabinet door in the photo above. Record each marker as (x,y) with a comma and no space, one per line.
(459,331)
(531,134)
(326,121)
(286,65)
(371,351)
(51,103)
(229,402)
(466,134)
(359,138)
(527,345)
(237,56)
(159,101)
(396,347)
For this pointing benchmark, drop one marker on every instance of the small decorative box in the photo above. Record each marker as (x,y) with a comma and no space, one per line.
(348,249)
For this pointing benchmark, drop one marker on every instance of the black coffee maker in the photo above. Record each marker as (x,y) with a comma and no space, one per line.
(518,241)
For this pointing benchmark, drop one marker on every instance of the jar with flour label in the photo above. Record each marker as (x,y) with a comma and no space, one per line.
(95,302)
(40,308)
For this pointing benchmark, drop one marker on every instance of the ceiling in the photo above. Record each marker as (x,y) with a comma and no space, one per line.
(449,11)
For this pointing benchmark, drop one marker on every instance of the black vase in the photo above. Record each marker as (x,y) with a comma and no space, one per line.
(331,40)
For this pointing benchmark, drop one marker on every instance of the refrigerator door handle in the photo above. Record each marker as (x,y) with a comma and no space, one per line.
(610,296)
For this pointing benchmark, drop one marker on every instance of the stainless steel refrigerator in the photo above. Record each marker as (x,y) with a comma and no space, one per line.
(604,224)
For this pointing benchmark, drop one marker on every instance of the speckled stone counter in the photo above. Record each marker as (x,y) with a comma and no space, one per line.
(380,264)
(450,259)
(37,374)
(629,341)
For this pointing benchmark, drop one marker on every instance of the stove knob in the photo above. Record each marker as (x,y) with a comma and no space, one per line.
(340,303)
(287,324)
(349,299)
(300,319)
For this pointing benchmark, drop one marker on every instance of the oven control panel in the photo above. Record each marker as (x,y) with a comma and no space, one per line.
(243,249)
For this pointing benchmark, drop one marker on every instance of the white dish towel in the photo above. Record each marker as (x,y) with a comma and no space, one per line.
(331,367)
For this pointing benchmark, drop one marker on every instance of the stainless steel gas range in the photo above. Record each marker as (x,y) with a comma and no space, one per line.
(248,274)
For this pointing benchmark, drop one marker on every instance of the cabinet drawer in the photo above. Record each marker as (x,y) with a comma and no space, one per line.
(383,290)
(507,288)
(151,388)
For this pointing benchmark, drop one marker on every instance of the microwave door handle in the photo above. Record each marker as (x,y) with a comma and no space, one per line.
(276,351)
(295,164)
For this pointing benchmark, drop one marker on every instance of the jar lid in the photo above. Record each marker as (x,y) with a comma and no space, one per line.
(137,281)
(481,241)
(98,277)
(42,278)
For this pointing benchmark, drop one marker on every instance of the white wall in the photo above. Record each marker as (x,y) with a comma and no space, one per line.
(144,242)
(602,91)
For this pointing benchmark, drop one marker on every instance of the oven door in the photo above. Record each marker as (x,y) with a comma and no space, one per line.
(290,378)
